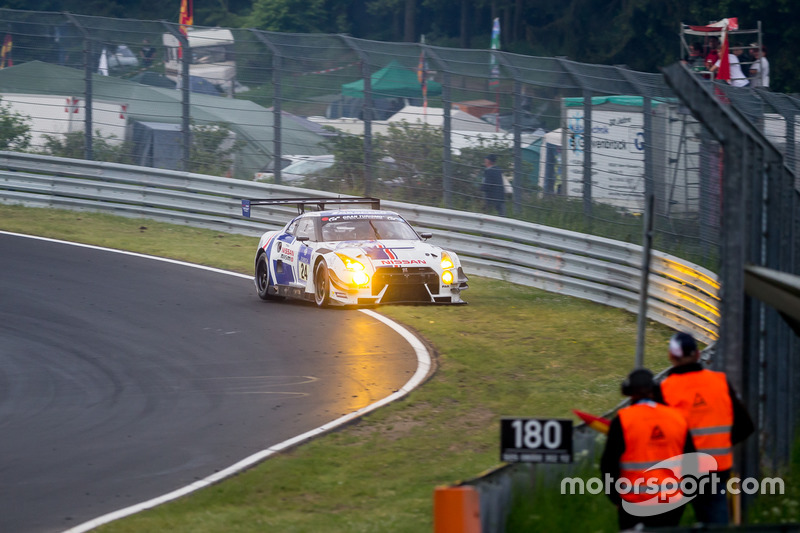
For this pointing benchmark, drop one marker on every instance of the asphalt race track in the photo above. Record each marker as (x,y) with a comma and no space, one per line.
(123,378)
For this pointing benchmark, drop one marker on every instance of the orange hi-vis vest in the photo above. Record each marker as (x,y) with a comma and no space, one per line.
(704,399)
(653,434)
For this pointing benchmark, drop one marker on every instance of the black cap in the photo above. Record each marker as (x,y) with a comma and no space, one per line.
(491,157)
(639,381)
(682,345)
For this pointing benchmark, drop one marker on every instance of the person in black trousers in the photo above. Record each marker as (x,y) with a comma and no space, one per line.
(492,186)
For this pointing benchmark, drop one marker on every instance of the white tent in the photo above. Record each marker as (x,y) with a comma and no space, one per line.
(459,120)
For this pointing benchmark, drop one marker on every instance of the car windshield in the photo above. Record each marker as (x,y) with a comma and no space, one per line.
(125,51)
(307,167)
(365,228)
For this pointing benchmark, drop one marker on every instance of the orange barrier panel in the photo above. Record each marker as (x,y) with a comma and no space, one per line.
(456,510)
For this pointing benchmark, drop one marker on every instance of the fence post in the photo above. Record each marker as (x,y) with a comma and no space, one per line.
(447,153)
(88,52)
(277,113)
(186,88)
(587,155)
(517,125)
(367,112)
(647,245)
(649,174)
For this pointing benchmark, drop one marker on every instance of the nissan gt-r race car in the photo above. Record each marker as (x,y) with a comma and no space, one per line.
(353,257)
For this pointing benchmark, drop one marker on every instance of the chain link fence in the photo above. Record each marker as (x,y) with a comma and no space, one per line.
(582,146)
(402,121)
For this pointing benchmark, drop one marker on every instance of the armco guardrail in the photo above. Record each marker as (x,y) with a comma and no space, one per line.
(681,295)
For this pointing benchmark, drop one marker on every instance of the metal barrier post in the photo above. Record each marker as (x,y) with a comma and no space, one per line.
(87,70)
(277,113)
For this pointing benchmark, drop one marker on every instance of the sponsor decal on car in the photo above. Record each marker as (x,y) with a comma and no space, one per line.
(379,251)
(358,216)
(400,262)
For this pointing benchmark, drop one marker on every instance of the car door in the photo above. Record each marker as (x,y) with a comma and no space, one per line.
(282,255)
(306,235)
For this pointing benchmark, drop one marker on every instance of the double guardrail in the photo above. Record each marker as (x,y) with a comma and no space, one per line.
(681,295)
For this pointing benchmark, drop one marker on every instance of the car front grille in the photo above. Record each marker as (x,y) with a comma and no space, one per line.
(406,284)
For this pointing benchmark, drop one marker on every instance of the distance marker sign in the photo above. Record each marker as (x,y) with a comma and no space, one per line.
(536,440)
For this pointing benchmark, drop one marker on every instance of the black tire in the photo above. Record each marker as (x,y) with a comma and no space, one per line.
(263,281)
(322,285)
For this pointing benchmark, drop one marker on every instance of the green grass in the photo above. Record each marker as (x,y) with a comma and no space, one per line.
(513,351)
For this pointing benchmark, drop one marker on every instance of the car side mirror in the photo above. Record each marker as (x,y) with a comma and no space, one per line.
(303,239)
(426,235)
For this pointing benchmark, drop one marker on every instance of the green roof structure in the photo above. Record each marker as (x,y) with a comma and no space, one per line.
(250,121)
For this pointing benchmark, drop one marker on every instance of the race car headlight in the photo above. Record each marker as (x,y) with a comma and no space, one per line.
(350,263)
(446,261)
(360,278)
(447,277)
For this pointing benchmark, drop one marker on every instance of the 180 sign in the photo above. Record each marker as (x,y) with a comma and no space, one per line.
(535,440)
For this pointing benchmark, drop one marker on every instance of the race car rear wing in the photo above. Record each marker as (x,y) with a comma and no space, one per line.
(301,203)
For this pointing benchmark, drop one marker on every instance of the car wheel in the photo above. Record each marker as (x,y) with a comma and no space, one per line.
(322,285)
(263,281)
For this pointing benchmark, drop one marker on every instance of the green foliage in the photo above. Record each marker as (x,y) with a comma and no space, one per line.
(297,16)
(780,508)
(15,131)
(411,162)
(348,153)
(532,509)
(407,166)
(73,145)
(637,33)
(212,149)
(211,152)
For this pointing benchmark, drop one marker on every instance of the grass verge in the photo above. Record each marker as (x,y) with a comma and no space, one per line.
(513,351)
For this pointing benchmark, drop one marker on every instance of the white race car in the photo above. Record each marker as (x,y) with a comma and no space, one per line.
(353,257)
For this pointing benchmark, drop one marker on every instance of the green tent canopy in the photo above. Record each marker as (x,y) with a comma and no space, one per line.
(392,81)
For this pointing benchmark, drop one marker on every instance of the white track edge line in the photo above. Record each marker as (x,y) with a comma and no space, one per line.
(423,368)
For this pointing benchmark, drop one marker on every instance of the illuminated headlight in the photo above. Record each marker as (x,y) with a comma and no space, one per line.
(447,264)
(446,261)
(447,277)
(360,278)
(350,263)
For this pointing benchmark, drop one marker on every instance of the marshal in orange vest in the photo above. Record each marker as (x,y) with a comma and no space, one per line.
(653,433)
(704,399)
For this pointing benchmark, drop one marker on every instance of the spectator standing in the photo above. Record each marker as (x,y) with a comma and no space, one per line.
(713,52)
(717,419)
(492,186)
(738,79)
(641,436)
(695,60)
(759,70)
(148,53)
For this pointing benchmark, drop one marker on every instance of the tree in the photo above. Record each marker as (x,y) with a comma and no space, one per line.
(213,149)
(73,145)
(411,157)
(348,155)
(298,16)
(15,130)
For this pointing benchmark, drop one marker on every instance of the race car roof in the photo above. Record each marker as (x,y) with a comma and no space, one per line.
(360,213)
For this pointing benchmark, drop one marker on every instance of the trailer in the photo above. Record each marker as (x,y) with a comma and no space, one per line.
(211,56)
